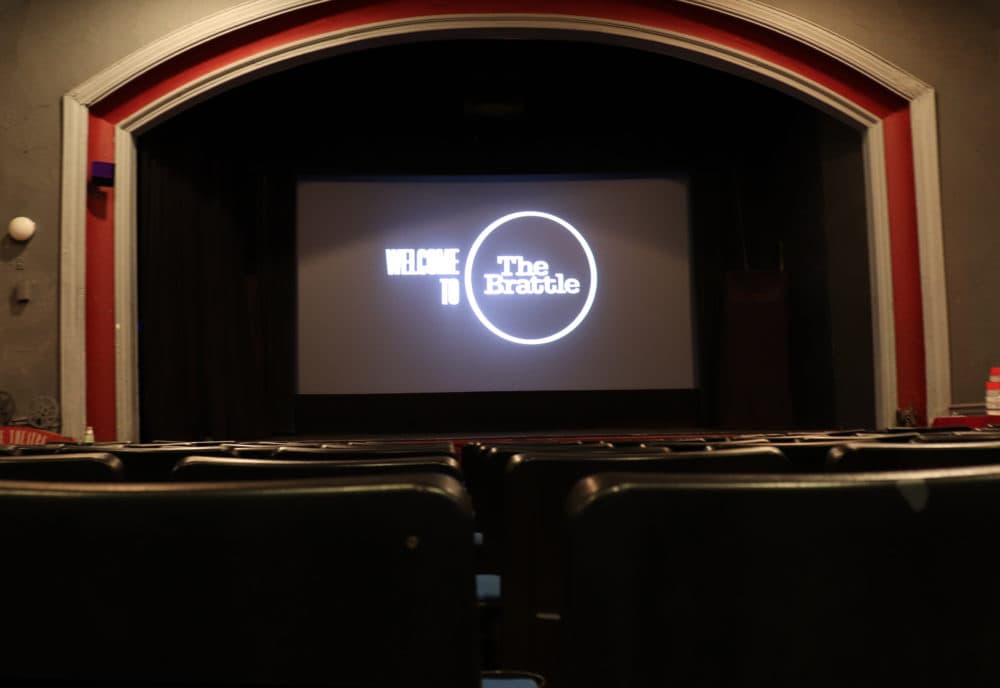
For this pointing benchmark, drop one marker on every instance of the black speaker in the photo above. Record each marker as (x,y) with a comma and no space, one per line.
(102,173)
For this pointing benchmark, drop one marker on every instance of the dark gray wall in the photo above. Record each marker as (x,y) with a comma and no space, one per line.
(49,46)
(955,47)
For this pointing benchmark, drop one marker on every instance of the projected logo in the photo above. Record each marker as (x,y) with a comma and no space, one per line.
(529,277)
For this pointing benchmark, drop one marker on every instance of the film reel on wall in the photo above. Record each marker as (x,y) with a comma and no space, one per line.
(43,412)
(7,408)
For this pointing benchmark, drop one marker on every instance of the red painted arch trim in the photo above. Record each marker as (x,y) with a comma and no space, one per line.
(911,371)
(320,19)
(759,42)
(100,285)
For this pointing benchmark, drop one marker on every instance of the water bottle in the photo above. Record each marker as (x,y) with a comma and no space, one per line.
(993,393)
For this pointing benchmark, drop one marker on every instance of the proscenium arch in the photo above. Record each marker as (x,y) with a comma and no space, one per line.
(894,111)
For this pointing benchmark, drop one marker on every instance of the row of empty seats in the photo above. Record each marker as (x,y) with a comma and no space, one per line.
(627,561)
(804,453)
(525,488)
(189,461)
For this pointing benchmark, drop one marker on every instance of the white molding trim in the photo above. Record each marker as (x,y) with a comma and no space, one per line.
(226,21)
(880,278)
(176,42)
(926,164)
(822,39)
(73,269)
(126,294)
(254,11)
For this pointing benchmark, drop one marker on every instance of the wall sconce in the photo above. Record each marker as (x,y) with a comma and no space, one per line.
(21,228)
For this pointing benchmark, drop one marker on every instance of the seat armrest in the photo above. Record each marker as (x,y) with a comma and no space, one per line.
(511,679)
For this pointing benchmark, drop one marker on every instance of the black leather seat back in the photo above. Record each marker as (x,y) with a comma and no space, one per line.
(485,467)
(349,582)
(153,462)
(897,457)
(535,490)
(208,468)
(90,467)
(860,580)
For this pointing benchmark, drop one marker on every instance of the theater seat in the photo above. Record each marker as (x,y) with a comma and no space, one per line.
(484,467)
(81,467)
(877,579)
(894,457)
(535,489)
(342,450)
(808,454)
(511,679)
(332,582)
(202,468)
(154,461)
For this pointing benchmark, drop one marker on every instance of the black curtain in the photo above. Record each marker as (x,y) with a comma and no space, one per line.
(216,263)
(216,213)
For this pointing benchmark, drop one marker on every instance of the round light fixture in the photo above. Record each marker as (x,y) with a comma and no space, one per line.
(21,228)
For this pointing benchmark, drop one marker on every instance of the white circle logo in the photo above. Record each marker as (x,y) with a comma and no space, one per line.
(471,296)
